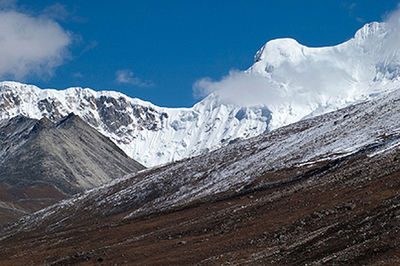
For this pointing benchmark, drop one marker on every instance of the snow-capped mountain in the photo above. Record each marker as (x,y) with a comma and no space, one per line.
(296,81)
(370,128)
(321,190)
(288,82)
(151,134)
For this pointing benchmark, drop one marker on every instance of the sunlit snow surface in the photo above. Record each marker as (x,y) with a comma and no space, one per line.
(374,124)
(150,134)
(288,82)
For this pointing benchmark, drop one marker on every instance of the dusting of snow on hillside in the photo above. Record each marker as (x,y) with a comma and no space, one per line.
(371,128)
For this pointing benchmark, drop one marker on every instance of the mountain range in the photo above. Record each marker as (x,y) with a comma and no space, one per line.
(293,161)
(288,82)
(322,190)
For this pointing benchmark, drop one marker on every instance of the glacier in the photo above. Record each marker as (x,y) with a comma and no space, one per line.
(287,83)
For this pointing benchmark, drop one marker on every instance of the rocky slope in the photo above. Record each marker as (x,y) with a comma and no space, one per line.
(149,134)
(288,82)
(323,190)
(42,162)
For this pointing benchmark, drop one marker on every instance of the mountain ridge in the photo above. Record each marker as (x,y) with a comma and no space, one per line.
(287,82)
(150,134)
(42,162)
(322,190)
(338,135)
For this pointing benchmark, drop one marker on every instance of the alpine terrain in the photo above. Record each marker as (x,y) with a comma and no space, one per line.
(42,162)
(322,190)
(288,82)
(293,161)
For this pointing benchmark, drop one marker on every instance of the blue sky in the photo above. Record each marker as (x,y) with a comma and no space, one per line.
(156,50)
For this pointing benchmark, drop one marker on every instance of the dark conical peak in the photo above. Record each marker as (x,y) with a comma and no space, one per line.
(69,120)
(45,122)
(42,124)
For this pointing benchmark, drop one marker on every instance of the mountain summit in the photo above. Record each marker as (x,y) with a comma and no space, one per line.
(150,134)
(42,162)
(299,81)
(322,190)
(288,82)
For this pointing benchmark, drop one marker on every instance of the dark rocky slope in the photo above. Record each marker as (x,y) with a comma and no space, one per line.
(346,213)
(324,190)
(42,162)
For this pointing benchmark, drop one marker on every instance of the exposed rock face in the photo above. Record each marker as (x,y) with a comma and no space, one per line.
(149,134)
(323,190)
(58,159)
(288,82)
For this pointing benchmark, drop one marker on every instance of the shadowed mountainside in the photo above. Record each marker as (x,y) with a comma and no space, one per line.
(323,190)
(42,162)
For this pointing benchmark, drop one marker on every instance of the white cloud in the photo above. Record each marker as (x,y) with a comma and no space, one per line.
(240,88)
(289,84)
(30,45)
(251,88)
(126,76)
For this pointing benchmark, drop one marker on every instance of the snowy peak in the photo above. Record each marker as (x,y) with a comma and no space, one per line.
(295,81)
(312,147)
(369,30)
(280,50)
(371,45)
(288,82)
(150,134)
(287,50)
